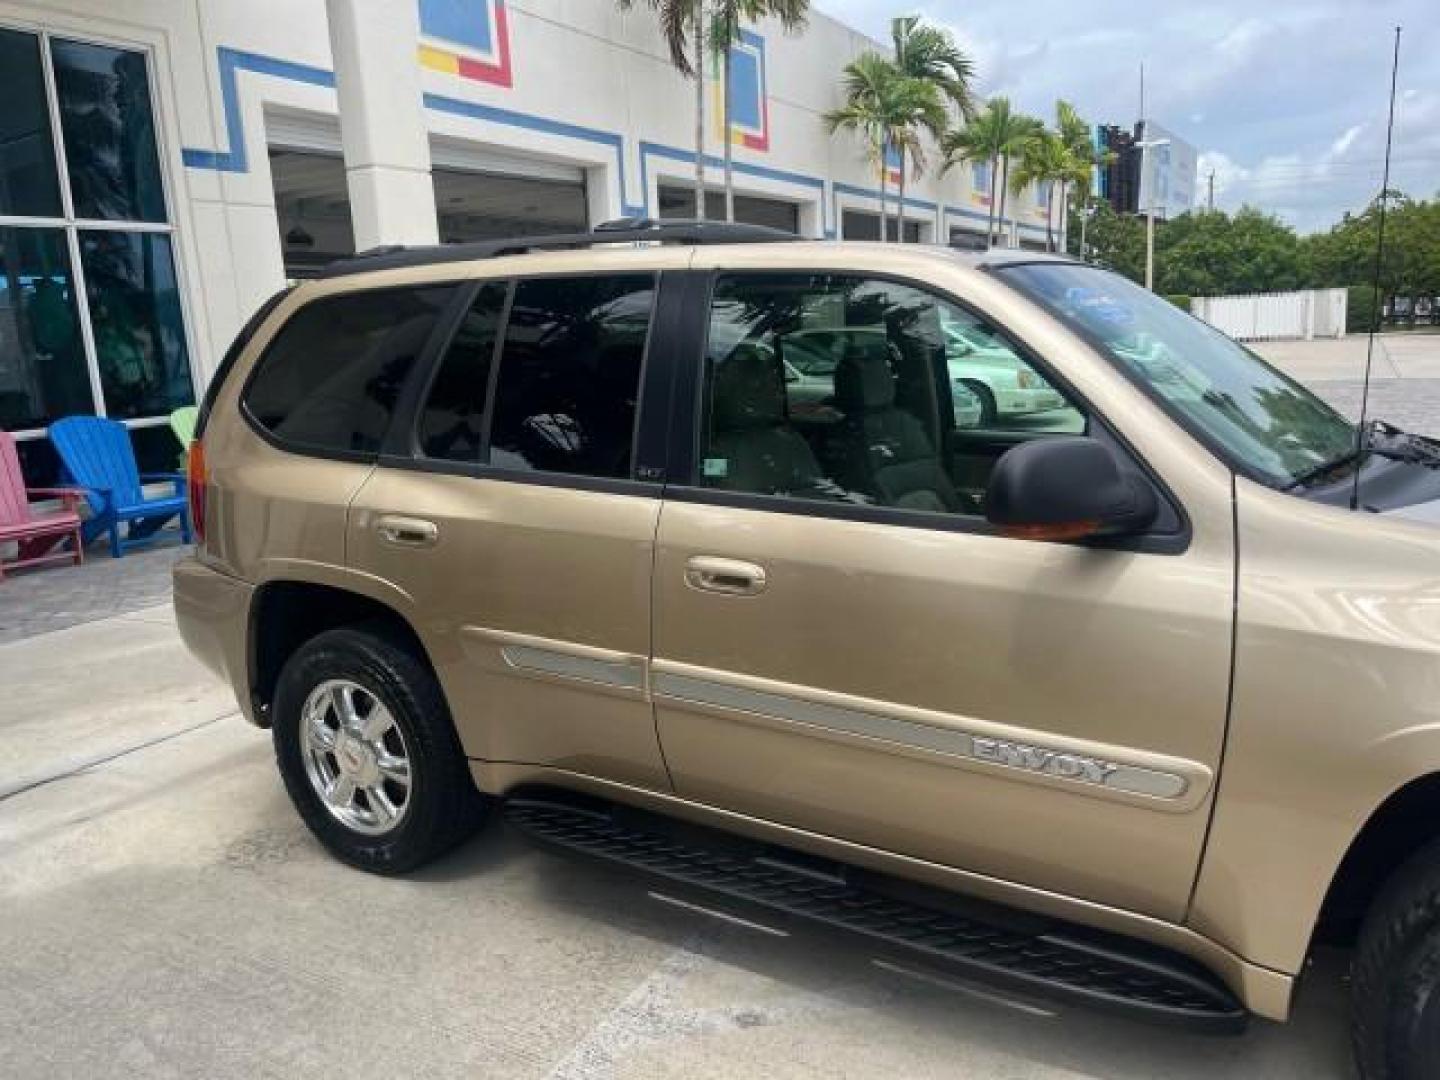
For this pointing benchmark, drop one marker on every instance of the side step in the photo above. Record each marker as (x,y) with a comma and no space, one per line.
(1014,950)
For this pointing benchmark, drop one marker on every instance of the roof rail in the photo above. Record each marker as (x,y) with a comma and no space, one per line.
(621,231)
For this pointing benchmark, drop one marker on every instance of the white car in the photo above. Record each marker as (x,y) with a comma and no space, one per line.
(1005,384)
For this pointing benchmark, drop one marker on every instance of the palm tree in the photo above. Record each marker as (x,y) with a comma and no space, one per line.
(994,135)
(1074,131)
(679,20)
(891,110)
(928,52)
(1044,159)
(725,25)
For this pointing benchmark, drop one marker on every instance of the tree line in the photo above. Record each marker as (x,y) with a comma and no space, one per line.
(1214,253)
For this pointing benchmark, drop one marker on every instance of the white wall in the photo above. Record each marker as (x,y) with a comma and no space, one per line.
(1308,314)
(589,88)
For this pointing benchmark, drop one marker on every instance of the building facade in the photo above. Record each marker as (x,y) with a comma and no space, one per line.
(1160,177)
(165,167)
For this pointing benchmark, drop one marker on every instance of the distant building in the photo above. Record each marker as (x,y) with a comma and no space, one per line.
(1166,185)
(1119,178)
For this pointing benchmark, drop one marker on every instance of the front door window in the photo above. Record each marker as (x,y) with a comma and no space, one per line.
(855,390)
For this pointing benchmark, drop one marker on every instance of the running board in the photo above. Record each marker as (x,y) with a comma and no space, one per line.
(1006,949)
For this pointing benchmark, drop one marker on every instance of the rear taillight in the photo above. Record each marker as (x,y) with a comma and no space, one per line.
(195,488)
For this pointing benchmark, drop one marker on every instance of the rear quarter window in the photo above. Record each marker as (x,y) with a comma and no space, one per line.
(330,380)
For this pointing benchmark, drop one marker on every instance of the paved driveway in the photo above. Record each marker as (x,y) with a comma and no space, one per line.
(163,913)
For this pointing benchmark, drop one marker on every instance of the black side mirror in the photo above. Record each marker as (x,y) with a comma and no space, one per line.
(1067,488)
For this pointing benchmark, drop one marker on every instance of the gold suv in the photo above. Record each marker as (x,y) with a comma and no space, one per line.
(1118,698)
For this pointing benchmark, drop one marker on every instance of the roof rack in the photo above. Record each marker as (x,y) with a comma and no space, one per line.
(621,231)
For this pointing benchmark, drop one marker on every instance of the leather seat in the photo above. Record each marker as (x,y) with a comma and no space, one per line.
(752,445)
(885,451)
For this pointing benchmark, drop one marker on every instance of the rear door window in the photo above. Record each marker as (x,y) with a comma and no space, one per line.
(330,380)
(569,377)
(450,426)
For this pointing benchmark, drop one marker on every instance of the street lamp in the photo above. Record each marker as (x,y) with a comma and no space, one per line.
(1145,146)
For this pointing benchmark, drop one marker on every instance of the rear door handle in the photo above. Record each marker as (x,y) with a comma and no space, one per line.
(407,531)
(729,576)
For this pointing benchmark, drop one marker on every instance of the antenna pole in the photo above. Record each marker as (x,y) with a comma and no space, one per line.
(1361,438)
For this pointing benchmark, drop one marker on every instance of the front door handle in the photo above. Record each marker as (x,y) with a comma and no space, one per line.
(729,576)
(407,531)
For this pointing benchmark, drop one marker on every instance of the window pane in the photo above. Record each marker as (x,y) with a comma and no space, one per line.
(332,376)
(42,358)
(570,375)
(135,314)
(450,422)
(1012,396)
(841,389)
(109,132)
(29,185)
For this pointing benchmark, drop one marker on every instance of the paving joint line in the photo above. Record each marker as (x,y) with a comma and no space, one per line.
(104,759)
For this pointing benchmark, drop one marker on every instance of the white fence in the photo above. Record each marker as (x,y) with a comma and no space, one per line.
(1272,316)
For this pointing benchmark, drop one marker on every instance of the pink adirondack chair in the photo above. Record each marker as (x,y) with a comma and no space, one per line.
(35,533)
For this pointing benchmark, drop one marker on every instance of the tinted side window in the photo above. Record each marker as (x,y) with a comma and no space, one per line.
(857,390)
(451,422)
(331,377)
(570,375)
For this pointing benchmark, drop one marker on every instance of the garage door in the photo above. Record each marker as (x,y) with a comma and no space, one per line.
(484,206)
(313,205)
(860,225)
(679,202)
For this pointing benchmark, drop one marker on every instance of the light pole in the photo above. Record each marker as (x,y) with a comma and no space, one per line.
(1145,146)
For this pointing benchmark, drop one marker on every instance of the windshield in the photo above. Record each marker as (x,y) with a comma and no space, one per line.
(1263,423)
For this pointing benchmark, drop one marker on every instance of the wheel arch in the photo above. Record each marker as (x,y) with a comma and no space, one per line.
(286,612)
(1399,826)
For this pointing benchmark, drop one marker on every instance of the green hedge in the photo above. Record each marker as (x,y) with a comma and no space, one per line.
(1180,300)
(1360,311)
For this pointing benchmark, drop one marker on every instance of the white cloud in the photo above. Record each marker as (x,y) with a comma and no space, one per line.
(1287,98)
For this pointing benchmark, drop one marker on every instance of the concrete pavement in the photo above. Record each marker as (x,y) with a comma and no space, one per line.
(1404,377)
(163,913)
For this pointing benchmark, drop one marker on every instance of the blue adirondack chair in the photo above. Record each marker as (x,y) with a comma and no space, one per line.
(98,458)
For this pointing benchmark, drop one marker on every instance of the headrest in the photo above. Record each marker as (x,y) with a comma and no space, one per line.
(749,389)
(863,379)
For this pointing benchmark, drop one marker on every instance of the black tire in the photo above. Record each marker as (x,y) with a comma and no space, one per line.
(1395,976)
(443,806)
(989,411)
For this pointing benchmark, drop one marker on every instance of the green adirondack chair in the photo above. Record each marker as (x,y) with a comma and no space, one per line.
(182,423)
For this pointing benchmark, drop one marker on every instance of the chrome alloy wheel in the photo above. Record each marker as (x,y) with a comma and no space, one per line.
(355,757)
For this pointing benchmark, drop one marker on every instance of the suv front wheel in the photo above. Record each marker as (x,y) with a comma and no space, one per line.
(365,745)
(1396,976)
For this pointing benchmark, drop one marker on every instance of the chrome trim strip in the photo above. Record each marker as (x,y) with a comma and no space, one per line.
(1019,758)
(569,666)
(531,655)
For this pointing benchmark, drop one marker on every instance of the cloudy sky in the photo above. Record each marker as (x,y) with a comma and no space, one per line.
(1284,99)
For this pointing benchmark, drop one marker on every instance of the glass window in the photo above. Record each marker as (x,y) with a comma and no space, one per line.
(29,185)
(981,177)
(845,389)
(451,422)
(109,132)
(1262,421)
(332,376)
(570,374)
(135,312)
(1012,396)
(43,375)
